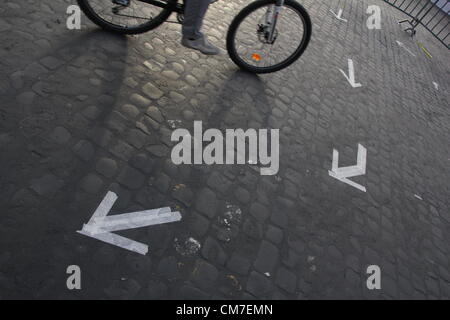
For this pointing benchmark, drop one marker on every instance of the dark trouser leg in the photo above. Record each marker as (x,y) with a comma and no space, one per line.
(194,13)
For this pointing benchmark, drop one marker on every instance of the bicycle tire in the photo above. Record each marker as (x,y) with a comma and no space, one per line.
(231,48)
(155,22)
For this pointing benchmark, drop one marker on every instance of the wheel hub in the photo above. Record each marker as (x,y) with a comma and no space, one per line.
(264,34)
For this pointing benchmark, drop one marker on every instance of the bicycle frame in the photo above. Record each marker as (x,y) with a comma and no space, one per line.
(270,19)
(178,7)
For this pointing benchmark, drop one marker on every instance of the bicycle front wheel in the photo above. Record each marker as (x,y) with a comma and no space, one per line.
(134,17)
(254,45)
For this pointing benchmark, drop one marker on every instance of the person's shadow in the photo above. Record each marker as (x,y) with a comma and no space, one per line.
(241,103)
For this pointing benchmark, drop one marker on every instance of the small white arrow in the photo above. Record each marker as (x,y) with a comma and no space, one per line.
(436,85)
(351,75)
(338,15)
(100,225)
(343,173)
(401,45)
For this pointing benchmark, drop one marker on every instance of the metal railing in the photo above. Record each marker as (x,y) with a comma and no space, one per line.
(433,15)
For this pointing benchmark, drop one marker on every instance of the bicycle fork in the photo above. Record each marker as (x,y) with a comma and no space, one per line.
(271,19)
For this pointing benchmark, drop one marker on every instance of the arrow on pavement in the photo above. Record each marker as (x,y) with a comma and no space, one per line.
(343,173)
(436,85)
(338,15)
(100,225)
(401,45)
(351,75)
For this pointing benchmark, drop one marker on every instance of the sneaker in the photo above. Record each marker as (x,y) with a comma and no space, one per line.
(202,45)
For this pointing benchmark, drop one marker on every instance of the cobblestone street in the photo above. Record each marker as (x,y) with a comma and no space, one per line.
(84,112)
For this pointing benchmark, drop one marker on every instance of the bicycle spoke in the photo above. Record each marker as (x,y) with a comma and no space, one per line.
(135,17)
(136,14)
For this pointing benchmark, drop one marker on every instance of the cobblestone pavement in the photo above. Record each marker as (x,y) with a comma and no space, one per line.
(84,111)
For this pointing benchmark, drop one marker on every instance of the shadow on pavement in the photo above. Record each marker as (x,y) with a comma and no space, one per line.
(242,101)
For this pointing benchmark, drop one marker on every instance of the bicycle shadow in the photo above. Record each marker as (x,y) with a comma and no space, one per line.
(75,95)
(104,55)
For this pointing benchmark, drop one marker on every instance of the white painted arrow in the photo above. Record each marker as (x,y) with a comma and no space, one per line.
(436,85)
(100,225)
(338,15)
(343,173)
(401,45)
(351,75)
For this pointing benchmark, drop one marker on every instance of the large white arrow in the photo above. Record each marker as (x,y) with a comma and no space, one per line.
(338,15)
(351,74)
(343,173)
(100,225)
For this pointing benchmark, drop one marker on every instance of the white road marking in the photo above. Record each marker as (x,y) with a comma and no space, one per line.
(100,225)
(436,85)
(338,15)
(351,74)
(401,45)
(343,173)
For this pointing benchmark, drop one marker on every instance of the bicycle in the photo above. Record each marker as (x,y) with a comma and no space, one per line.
(257,39)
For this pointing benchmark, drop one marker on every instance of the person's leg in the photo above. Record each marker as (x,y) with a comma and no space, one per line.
(193,38)
(194,12)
